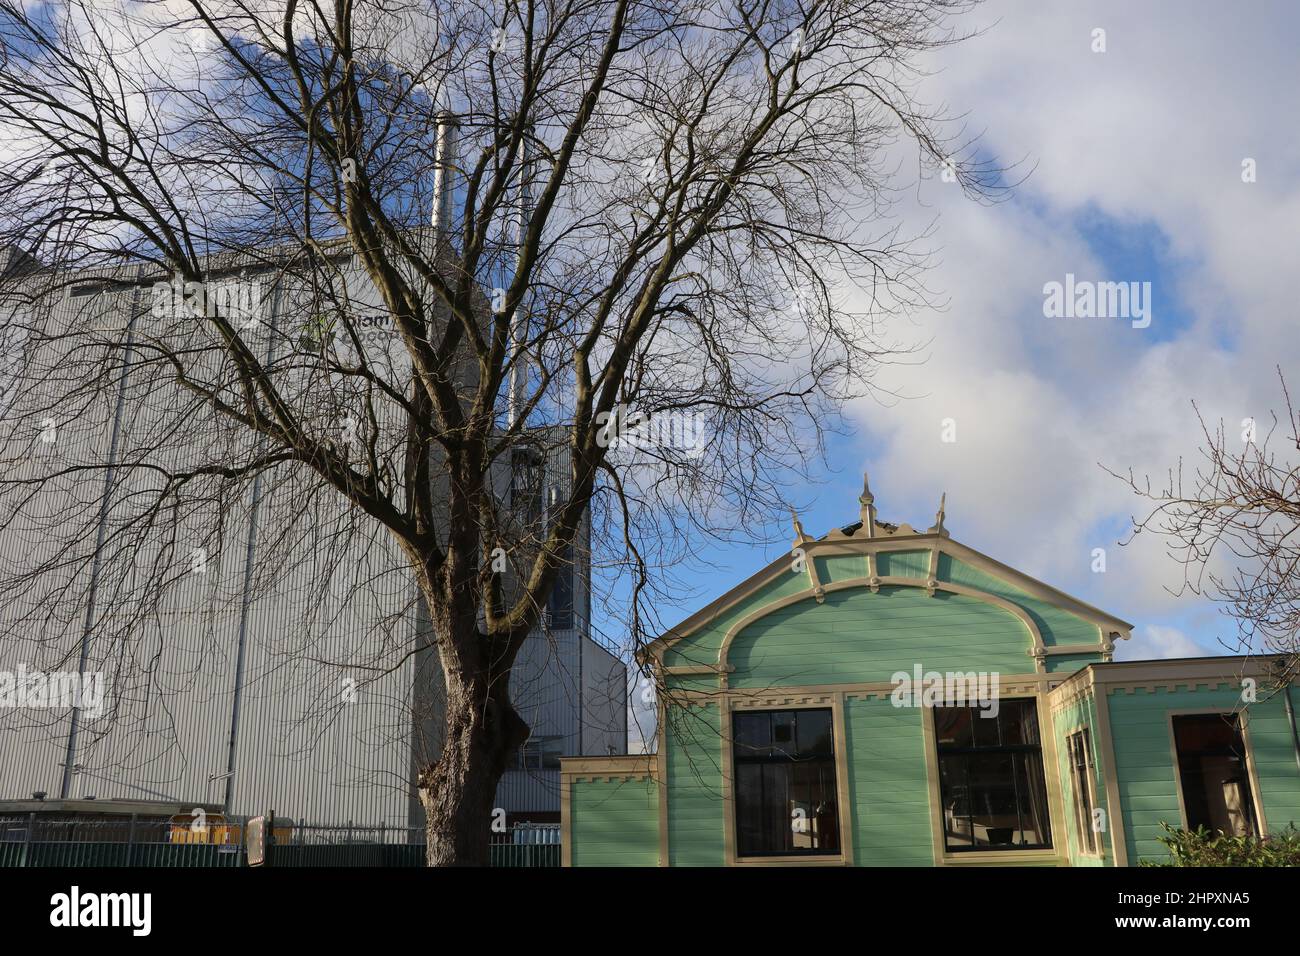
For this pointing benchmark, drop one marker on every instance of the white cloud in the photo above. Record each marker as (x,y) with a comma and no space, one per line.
(1150,134)
(1157,642)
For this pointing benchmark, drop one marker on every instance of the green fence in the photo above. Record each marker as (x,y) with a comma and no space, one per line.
(129,843)
(89,853)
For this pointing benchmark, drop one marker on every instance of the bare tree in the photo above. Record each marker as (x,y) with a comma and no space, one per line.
(1240,508)
(574,221)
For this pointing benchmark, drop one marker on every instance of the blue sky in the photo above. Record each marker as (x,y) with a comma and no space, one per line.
(1137,158)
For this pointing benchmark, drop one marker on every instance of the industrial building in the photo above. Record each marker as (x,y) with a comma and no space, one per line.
(287,667)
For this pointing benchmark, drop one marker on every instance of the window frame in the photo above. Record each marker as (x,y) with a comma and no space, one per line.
(1243,727)
(535,748)
(806,701)
(1046,754)
(1090,841)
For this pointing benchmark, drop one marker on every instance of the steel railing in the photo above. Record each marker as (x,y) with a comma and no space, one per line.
(31,840)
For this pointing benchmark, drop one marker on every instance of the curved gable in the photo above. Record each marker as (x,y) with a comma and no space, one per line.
(859,636)
(915,590)
(699,645)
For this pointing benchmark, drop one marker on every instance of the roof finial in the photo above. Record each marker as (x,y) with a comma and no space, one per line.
(938,518)
(799,536)
(868,510)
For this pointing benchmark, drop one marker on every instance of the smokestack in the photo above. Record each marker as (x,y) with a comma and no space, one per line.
(519,320)
(442,178)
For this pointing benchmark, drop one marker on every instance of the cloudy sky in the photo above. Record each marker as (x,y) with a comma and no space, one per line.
(1137,158)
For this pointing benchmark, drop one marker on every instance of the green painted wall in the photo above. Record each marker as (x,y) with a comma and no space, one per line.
(888,803)
(1081,713)
(1145,764)
(841,567)
(858,636)
(903,564)
(1057,625)
(614,823)
(702,646)
(1275,760)
(695,823)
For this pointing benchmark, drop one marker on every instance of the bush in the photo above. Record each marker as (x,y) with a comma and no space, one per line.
(1204,848)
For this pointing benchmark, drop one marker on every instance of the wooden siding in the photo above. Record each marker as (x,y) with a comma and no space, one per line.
(903,564)
(859,636)
(1145,763)
(841,567)
(695,824)
(1066,664)
(614,822)
(702,646)
(888,784)
(1058,626)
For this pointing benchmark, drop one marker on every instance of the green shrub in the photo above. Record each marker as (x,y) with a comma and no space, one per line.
(1204,848)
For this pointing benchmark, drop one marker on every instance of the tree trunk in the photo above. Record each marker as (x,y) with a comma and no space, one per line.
(458,791)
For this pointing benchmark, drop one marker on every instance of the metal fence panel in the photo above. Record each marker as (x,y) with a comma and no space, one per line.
(26,841)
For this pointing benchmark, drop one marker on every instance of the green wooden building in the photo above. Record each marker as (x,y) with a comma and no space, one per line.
(888,696)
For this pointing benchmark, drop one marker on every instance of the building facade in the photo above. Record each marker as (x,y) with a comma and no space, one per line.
(889,696)
(283,670)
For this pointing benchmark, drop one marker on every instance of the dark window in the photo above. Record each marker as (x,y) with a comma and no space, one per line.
(1079,749)
(560,602)
(785,783)
(541,753)
(1212,772)
(991,778)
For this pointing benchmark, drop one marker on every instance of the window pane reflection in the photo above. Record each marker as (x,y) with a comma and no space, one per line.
(991,778)
(785,795)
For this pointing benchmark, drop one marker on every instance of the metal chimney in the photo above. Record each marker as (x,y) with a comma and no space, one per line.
(442,178)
